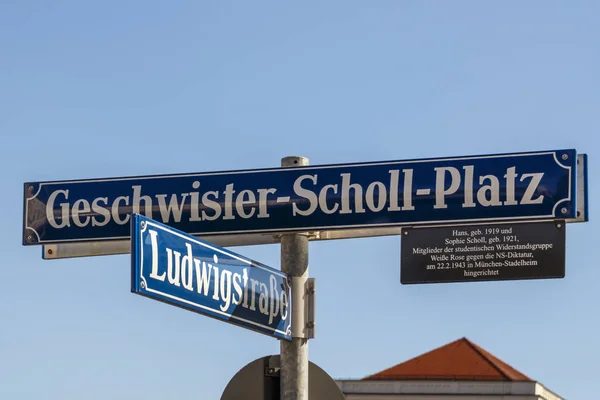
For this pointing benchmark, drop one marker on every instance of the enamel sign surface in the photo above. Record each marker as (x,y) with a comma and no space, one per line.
(178,269)
(505,187)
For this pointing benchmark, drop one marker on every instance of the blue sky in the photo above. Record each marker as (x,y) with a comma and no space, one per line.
(146,87)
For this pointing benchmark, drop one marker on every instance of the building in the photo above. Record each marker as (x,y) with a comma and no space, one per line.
(459,370)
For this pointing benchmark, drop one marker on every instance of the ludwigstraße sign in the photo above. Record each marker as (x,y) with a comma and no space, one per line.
(490,252)
(175,268)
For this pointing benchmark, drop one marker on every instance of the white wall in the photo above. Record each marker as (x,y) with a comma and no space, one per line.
(444,390)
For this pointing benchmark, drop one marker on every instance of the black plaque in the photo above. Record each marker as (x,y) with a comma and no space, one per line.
(491,252)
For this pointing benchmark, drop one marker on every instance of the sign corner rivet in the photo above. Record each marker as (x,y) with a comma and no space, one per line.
(565,156)
(564,210)
(142,284)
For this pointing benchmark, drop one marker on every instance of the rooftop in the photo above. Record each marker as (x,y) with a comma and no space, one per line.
(461,360)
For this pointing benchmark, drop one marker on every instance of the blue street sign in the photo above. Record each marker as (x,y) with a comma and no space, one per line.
(505,187)
(178,269)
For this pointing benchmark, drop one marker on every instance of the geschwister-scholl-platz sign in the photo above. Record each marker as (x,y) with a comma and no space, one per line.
(520,186)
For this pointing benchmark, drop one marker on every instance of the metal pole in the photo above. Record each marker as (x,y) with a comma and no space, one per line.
(294,353)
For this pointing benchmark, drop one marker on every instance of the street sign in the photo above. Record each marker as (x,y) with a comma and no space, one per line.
(173,267)
(488,252)
(504,187)
(260,380)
